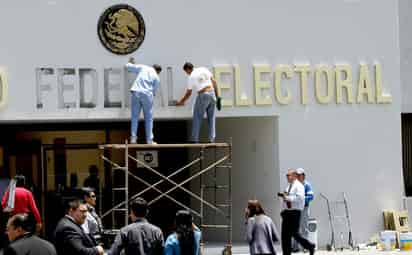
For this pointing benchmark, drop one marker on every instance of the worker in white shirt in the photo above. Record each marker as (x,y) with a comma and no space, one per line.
(293,202)
(201,80)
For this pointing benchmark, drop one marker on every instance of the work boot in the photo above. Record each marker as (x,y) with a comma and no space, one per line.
(133,139)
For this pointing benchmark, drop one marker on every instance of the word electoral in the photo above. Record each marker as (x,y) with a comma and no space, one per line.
(332,84)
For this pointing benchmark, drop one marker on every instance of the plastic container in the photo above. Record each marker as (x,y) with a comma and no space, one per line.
(313,231)
(388,240)
(405,241)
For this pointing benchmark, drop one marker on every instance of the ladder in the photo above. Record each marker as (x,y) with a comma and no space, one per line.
(215,185)
(120,189)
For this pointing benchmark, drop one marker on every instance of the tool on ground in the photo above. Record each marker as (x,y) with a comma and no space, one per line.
(340,223)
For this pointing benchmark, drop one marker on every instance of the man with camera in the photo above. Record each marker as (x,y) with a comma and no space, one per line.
(304,217)
(293,202)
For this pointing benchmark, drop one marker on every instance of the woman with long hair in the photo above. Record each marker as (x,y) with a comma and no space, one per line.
(261,231)
(186,239)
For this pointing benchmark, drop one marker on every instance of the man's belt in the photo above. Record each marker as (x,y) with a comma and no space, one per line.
(205,89)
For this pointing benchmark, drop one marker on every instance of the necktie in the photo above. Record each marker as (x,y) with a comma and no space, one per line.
(288,203)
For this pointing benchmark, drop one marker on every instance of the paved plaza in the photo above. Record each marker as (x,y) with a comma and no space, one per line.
(242,249)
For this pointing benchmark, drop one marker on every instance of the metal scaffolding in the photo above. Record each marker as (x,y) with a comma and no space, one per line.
(212,158)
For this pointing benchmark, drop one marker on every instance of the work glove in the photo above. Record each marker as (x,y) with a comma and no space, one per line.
(219,103)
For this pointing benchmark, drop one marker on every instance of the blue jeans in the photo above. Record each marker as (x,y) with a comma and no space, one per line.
(205,103)
(141,101)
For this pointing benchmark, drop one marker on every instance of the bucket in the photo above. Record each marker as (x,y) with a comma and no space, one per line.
(313,231)
(388,240)
(405,241)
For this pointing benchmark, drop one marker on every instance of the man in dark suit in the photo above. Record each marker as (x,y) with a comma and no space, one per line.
(20,229)
(69,236)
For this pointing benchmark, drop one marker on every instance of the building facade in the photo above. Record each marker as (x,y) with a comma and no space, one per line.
(313,84)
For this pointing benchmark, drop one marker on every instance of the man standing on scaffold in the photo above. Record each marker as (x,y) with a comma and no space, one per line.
(201,80)
(143,91)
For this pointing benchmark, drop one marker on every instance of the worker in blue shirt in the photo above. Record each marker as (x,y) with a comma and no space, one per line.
(143,91)
(309,195)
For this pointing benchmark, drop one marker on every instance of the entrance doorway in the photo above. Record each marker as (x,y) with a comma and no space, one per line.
(67,152)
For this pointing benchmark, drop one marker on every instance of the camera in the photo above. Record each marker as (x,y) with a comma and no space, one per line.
(281,194)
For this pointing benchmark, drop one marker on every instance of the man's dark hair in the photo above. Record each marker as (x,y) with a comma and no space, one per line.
(25,221)
(157,67)
(86,191)
(188,66)
(93,169)
(72,203)
(20,180)
(139,207)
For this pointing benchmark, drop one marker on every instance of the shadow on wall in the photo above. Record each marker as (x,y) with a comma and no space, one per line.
(255,172)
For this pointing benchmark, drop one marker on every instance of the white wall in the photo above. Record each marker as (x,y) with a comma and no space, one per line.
(255,165)
(353,148)
(61,34)
(255,172)
(353,153)
(405,42)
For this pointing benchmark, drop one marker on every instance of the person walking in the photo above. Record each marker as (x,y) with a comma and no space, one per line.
(143,92)
(20,231)
(293,202)
(261,231)
(304,218)
(140,237)
(93,224)
(69,236)
(23,201)
(186,239)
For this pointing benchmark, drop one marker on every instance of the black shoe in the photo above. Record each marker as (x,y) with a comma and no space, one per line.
(312,250)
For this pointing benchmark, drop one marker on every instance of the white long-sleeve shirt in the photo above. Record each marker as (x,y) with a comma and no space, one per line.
(147,81)
(296,196)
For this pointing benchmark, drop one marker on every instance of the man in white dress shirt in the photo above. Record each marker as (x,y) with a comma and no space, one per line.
(293,202)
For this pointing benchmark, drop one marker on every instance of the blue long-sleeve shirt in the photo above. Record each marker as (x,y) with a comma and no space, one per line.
(147,81)
(309,194)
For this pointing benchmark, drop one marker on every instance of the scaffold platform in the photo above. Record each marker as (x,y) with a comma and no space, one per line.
(196,167)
